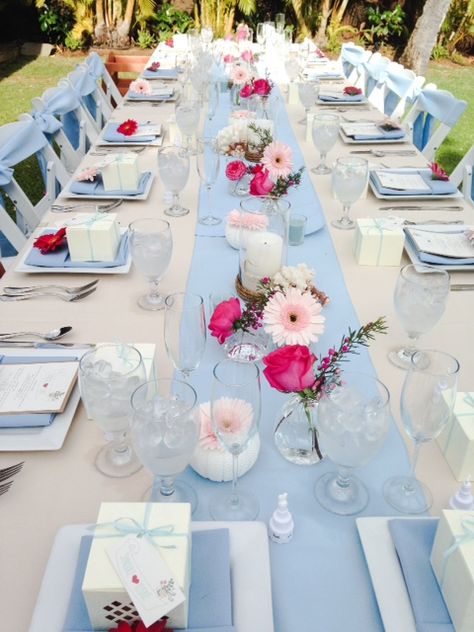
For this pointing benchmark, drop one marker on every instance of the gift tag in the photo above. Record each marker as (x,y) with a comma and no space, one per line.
(146,578)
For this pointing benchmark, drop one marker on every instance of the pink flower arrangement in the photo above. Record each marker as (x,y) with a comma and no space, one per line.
(290,369)
(246,91)
(261,183)
(242,32)
(236,170)
(250,221)
(260,87)
(277,158)
(352,91)
(239,75)
(247,55)
(224,318)
(231,415)
(140,86)
(229,59)
(89,174)
(437,173)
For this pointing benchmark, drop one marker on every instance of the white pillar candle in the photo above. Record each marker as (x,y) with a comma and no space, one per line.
(263,257)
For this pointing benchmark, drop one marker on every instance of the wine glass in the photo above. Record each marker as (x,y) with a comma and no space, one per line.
(207,35)
(325,131)
(280,23)
(353,420)
(151,245)
(165,431)
(292,67)
(208,162)
(261,33)
(349,180)
(235,414)
(108,375)
(212,99)
(420,298)
(308,92)
(188,113)
(173,167)
(426,405)
(185,330)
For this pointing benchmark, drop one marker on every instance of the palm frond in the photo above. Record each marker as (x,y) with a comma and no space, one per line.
(247,6)
(147,7)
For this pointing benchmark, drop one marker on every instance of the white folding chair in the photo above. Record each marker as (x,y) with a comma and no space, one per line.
(401,85)
(431,118)
(376,71)
(462,175)
(106,84)
(352,59)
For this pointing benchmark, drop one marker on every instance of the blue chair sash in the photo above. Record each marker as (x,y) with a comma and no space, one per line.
(62,101)
(27,140)
(434,105)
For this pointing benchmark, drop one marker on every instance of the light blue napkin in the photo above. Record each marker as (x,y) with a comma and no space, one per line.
(161,73)
(394,134)
(341,97)
(437,187)
(318,72)
(35,420)
(427,257)
(60,258)
(96,188)
(138,96)
(112,136)
(210,597)
(413,540)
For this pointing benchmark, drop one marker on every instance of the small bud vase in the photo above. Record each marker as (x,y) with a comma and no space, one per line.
(296,435)
(247,346)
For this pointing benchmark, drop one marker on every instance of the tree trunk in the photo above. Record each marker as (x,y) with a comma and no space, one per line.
(100,29)
(325,13)
(420,45)
(298,9)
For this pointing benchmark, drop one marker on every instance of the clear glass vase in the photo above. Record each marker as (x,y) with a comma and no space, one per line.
(296,435)
(247,346)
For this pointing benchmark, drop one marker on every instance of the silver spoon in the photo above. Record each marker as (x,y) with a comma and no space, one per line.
(54,334)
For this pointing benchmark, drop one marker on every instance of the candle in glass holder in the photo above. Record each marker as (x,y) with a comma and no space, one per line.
(263,257)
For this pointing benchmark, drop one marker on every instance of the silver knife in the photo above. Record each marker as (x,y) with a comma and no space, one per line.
(462,287)
(420,208)
(31,344)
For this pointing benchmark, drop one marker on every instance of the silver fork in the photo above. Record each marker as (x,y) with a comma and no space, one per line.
(5,487)
(39,288)
(8,472)
(104,151)
(70,298)
(100,208)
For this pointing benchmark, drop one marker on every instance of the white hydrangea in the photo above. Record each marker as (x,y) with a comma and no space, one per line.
(300,277)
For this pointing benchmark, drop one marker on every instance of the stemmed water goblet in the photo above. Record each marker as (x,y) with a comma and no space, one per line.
(353,420)
(173,167)
(235,414)
(426,405)
(280,23)
(325,130)
(165,430)
(207,35)
(261,33)
(188,113)
(208,163)
(108,375)
(212,99)
(420,299)
(151,246)
(292,67)
(185,330)
(308,92)
(349,180)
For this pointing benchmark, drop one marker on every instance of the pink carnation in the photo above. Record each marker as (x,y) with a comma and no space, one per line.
(140,86)
(236,170)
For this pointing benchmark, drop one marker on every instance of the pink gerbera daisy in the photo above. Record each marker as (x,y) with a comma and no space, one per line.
(277,158)
(240,75)
(294,318)
(140,86)
(231,417)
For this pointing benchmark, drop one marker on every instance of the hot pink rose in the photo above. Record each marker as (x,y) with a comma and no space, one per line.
(247,55)
(352,91)
(290,369)
(246,91)
(261,183)
(262,87)
(236,170)
(229,59)
(223,318)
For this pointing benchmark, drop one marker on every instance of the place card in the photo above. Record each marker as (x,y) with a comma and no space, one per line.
(402,181)
(36,387)
(148,130)
(445,244)
(361,129)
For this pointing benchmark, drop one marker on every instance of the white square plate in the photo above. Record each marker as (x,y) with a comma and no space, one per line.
(48,437)
(428,196)
(342,102)
(250,574)
(66,193)
(389,141)
(413,255)
(21,266)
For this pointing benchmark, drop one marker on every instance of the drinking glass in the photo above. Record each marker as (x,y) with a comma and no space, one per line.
(108,375)
(280,22)
(165,431)
(151,246)
(292,67)
(325,131)
(173,167)
(207,35)
(420,298)
(208,163)
(308,92)
(212,99)
(185,330)
(349,180)
(426,405)
(235,413)
(353,420)
(188,113)
(261,33)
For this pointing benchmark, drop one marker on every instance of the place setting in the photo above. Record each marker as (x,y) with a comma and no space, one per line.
(141,90)
(130,133)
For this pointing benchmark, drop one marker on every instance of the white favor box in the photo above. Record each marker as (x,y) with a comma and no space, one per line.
(455,572)
(377,245)
(457,439)
(106,599)
(120,172)
(95,238)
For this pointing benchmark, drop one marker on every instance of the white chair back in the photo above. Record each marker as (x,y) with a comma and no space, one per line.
(462,175)
(352,59)
(376,72)
(401,86)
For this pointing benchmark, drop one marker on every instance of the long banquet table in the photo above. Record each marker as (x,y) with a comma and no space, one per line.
(320,580)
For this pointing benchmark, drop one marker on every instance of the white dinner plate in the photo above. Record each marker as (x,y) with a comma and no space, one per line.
(386,573)
(158,142)
(413,254)
(250,573)
(21,266)
(48,437)
(388,141)
(66,193)
(393,198)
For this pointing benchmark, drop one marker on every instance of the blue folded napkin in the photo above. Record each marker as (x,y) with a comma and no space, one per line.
(318,72)
(96,188)
(60,258)
(112,136)
(437,187)
(381,134)
(341,97)
(413,540)
(210,597)
(32,420)
(161,73)
(139,96)
(428,257)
